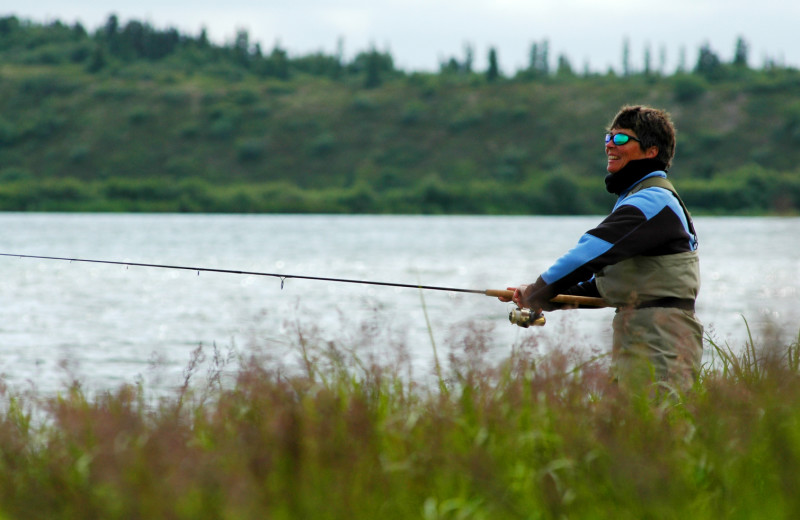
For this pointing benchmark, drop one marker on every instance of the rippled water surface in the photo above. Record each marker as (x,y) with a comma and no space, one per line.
(107,324)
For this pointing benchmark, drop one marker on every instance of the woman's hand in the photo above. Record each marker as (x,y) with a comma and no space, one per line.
(517,297)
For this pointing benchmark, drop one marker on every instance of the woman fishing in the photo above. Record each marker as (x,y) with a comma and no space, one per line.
(642,258)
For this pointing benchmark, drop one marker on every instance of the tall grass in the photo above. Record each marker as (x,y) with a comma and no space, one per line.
(337,433)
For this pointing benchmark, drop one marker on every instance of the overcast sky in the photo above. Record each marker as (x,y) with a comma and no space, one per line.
(420,34)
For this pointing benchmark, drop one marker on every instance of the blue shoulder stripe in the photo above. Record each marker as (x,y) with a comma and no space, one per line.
(651,201)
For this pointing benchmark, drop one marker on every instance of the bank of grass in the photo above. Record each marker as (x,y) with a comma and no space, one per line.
(342,434)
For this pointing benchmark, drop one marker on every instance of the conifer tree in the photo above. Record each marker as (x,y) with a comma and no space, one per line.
(468,58)
(202,40)
(279,62)
(626,57)
(741,53)
(373,66)
(241,47)
(708,63)
(564,67)
(493,72)
(97,61)
(538,64)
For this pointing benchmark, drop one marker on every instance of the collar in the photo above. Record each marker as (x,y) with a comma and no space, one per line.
(623,180)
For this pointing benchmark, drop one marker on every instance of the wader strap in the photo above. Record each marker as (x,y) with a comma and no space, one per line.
(661,182)
(664,303)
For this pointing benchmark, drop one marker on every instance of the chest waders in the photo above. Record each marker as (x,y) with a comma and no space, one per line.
(657,335)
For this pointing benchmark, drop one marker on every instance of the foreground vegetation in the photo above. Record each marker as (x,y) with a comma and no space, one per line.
(342,435)
(132,118)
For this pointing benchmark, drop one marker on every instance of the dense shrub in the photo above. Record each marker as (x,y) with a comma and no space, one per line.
(250,149)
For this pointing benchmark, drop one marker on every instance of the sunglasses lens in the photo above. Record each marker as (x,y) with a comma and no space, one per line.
(620,139)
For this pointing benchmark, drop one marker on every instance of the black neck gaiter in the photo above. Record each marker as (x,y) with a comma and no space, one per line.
(618,182)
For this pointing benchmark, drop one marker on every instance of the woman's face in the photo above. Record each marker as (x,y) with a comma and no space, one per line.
(620,155)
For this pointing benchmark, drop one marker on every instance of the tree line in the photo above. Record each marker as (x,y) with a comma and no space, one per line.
(116,43)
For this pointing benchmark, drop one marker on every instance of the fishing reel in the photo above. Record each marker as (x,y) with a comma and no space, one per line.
(526,318)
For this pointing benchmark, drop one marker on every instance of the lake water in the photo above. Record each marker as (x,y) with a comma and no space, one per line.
(106,324)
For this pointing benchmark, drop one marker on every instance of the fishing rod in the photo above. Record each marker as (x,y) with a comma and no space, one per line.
(521,317)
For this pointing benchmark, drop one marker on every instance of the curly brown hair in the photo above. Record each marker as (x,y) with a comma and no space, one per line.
(653,126)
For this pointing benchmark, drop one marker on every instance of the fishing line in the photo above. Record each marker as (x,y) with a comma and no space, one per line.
(521,317)
(282,276)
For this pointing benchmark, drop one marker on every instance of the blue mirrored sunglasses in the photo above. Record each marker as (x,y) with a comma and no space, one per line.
(620,139)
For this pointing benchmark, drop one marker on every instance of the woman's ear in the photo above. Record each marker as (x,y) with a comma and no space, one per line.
(652,152)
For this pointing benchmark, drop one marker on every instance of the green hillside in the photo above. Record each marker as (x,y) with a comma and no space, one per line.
(131,118)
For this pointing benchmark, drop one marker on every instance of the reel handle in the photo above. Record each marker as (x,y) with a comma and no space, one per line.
(499,293)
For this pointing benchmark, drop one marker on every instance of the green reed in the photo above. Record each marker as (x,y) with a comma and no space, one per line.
(348,432)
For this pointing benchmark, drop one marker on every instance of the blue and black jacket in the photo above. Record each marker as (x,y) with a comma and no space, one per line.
(649,222)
